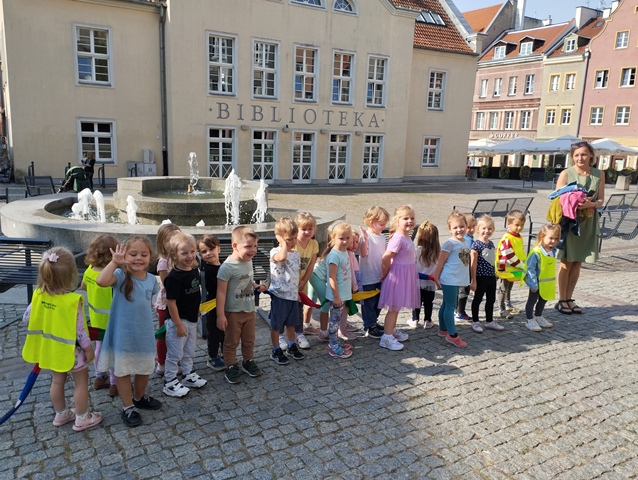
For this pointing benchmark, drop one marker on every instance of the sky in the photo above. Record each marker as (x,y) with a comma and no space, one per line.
(560,10)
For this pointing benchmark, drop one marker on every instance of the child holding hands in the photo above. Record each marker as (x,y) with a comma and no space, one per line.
(208,246)
(510,262)
(427,254)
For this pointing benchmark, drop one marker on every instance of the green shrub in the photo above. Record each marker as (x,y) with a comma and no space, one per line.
(610,175)
(626,172)
(549,173)
(484,170)
(504,172)
(525,173)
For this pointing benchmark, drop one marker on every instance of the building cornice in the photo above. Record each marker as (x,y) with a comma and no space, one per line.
(128,4)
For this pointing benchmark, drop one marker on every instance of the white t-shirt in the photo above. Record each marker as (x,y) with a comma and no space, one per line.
(284,276)
(370,265)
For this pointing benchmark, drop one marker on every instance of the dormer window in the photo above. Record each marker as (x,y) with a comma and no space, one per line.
(570,45)
(432,18)
(526,48)
(499,52)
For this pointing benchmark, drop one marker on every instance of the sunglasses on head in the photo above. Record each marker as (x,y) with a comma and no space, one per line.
(580,144)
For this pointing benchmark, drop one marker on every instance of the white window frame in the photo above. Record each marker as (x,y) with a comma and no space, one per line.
(267,169)
(623,114)
(529,84)
(373,63)
(601,78)
(310,3)
(596,115)
(373,148)
(336,6)
(493,121)
(498,87)
(550,116)
(431,151)
(499,52)
(340,81)
(266,71)
(221,66)
(511,85)
(306,76)
(554,83)
(93,56)
(339,152)
(526,119)
(299,167)
(570,81)
(479,123)
(483,88)
(222,166)
(526,49)
(622,39)
(571,45)
(565,116)
(436,90)
(509,120)
(97,138)
(628,77)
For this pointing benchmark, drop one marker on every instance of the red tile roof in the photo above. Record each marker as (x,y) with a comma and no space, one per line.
(480,18)
(588,31)
(547,34)
(437,37)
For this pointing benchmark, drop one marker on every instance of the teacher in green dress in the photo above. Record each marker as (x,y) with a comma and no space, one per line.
(583,248)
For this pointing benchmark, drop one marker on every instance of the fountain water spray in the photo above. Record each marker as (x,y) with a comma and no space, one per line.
(131,209)
(232,195)
(193,166)
(85,197)
(99,204)
(261,197)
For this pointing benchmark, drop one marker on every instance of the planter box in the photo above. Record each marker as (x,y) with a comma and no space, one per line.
(622,182)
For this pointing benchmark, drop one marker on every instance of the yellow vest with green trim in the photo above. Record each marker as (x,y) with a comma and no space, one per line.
(546,275)
(99,298)
(512,274)
(52,333)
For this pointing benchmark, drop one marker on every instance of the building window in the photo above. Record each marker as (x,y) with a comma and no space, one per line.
(263,154)
(526,120)
(596,116)
(509,120)
(622,115)
(377,72)
(342,67)
(338,157)
(314,3)
(550,116)
(436,90)
(303,145)
(93,56)
(554,82)
(98,137)
(628,77)
(221,65)
(570,81)
(372,156)
(526,49)
(602,76)
(565,116)
(343,6)
(221,151)
(570,45)
(480,121)
(493,120)
(511,89)
(622,39)
(499,52)
(529,84)
(483,90)
(430,17)
(430,157)
(498,85)
(265,70)
(305,74)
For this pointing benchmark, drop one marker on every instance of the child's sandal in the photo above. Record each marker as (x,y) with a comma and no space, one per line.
(563,307)
(575,309)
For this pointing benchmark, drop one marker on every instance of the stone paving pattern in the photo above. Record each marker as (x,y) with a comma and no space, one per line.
(560,404)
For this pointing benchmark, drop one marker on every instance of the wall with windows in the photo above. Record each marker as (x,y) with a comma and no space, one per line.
(80,77)
(254,89)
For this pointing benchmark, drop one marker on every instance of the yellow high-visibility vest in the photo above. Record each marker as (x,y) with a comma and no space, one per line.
(546,275)
(99,298)
(52,333)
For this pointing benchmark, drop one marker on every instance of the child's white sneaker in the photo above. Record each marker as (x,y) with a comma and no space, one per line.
(389,342)
(476,327)
(192,380)
(428,324)
(412,323)
(283,342)
(399,335)
(301,341)
(493,326)
(532,325)
(542,322)
(174,388)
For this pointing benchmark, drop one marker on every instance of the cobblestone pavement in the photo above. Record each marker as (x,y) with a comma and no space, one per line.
(561,404)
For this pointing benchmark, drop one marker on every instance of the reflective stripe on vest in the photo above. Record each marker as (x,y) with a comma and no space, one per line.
(52,331)
(546,274)
(99,299)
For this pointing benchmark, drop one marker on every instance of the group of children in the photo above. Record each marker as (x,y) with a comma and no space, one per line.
(355,266)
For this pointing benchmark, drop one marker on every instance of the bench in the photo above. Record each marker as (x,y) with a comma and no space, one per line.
(38,185)
(618,223)
(19,260)
(535,177)
(500,207)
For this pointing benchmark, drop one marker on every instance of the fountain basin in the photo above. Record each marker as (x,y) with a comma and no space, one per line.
(41,217)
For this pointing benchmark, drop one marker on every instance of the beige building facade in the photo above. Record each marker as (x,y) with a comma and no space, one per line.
(291,91)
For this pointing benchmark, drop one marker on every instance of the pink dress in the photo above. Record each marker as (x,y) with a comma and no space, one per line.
(400,288)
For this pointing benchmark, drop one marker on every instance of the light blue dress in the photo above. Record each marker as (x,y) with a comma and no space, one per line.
(129,340)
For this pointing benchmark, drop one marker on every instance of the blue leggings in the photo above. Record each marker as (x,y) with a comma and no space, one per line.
(446,312)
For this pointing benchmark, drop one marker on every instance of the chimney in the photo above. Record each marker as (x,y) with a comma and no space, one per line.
(547,21)
(520,15)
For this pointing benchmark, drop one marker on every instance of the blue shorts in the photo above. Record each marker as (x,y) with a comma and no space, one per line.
(283,312)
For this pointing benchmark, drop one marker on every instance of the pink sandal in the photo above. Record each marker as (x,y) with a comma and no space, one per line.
(64,418)
(91,420)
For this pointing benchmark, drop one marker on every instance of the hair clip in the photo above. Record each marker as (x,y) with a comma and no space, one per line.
(51,257)
(424,224)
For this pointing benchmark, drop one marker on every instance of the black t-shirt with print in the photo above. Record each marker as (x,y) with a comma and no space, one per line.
(184,287)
